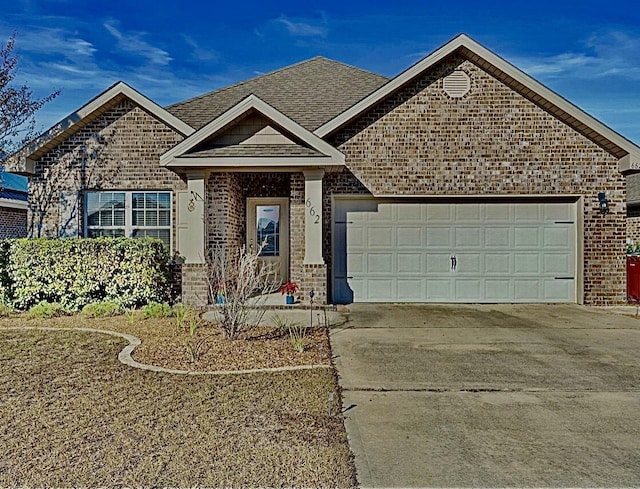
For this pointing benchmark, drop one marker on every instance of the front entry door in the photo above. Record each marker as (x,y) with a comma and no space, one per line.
(268,225)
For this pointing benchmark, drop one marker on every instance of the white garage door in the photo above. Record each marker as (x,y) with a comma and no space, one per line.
(454,252)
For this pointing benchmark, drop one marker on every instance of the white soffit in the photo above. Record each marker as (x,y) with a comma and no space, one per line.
(577,116)
(252,102)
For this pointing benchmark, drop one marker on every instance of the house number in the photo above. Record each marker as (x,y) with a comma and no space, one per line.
(312,212)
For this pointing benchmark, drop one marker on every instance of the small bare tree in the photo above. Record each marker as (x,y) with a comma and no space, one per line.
(241,283)
(17,105)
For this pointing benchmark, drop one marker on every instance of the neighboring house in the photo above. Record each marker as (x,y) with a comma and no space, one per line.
(13,205)
(633,207)
(462,179)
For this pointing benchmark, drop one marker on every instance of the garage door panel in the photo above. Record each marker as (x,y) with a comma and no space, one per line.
(558,213)
(409,237)
(526,237)
(411,290)
(468,263)
(438,237)
(497,237)
(410,263)
(380,289)
(496,290)
(557,237)
(379,263)
(557,290)
(527,290)
(526,263)
(468,290)
(379,237)
(505,252)
(498,213)
(557,264)
(467,212)
(438,263)
(440,213)
(527,212)
(439,290)
(497,263)
(355,237)
(468,237)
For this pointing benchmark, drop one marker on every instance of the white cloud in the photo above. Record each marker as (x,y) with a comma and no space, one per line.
(133,43)
(611,53)
(198,52)
(304,28)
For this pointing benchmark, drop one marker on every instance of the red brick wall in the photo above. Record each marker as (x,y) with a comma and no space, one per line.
(491,142)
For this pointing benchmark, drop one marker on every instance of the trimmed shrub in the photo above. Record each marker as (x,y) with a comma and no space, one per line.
(44,310)
(78,271)
(102,309)
(157,310)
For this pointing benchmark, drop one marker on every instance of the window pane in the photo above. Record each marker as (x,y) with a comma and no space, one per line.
(164,200)
(164,218)
(137,200)
(109,233)
(268,229)
(151,218)
(118,217)
(138,218)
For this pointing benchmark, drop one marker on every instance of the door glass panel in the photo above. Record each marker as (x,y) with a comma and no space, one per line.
(268,229)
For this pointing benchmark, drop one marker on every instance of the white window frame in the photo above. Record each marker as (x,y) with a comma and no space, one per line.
(128,227)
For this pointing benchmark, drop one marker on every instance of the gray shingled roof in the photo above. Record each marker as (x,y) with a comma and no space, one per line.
(240,150)
(311,93)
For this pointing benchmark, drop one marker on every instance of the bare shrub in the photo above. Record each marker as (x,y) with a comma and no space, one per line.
(243,282)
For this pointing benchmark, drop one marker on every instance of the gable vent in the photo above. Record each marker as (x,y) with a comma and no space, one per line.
(457,84)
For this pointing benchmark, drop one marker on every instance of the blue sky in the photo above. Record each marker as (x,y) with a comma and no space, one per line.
(587,51)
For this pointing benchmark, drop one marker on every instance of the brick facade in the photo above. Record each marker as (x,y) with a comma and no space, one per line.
(13,223)
(493,141)
(126,157)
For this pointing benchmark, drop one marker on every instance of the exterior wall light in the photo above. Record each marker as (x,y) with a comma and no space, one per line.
(604,203)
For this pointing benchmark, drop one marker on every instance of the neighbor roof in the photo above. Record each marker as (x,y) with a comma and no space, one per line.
(310,93)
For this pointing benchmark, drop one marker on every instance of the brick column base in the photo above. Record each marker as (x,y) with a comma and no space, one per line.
(195,286)
(313,277)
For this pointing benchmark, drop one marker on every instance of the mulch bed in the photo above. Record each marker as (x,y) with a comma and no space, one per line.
(163,344)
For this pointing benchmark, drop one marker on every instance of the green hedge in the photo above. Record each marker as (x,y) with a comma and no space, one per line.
(76,271)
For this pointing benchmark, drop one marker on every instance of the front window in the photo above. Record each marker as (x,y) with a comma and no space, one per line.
(132,214)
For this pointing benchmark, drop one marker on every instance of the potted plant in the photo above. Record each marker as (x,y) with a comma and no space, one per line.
(220,292)
(289,289)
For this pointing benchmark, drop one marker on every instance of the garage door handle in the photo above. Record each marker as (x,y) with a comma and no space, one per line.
(563,278)
(454,263)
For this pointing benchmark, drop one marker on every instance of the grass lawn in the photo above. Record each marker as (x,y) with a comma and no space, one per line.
(72,415)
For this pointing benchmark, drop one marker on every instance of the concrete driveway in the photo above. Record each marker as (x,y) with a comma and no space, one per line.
(492,395)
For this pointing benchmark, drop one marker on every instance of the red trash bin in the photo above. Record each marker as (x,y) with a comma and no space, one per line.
(633,279)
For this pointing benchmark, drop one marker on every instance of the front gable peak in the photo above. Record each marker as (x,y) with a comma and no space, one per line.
(251,135)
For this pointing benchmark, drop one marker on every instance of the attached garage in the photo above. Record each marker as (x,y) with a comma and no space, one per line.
(455,251)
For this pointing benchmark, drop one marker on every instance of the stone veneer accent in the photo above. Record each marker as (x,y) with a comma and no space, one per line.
(13,223)
(493,141)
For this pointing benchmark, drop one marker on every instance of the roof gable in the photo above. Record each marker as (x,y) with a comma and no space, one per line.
(611,141)
(310,93)
(88,113)
(275,141)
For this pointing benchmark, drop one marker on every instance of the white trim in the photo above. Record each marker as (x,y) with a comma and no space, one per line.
(257,162)
(252,102)
(463,41)
(14,204)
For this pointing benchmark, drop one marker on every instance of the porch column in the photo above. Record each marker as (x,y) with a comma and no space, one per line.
(191,224)
(313,217)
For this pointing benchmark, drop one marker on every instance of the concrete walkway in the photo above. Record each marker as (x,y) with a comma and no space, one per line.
(496,395)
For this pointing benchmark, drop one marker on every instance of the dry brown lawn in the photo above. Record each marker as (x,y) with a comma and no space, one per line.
(72,415)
